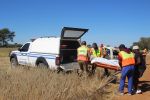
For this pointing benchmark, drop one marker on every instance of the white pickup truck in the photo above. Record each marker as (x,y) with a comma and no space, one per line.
(50,52)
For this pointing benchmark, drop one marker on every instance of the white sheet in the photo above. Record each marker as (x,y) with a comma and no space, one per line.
(105,61)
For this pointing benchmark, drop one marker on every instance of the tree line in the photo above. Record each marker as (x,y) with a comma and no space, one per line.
(143,43)
(6,35)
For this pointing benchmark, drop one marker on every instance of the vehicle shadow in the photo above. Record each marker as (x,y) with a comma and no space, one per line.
(144,86)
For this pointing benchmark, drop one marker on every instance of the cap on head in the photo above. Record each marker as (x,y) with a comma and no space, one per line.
(135,47)
(94,45)
(89,46)
(102,45)
(122,46)
(83,43)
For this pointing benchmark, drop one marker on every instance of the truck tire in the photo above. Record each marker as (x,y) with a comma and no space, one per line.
(59,69)
(42,65)
(14,62)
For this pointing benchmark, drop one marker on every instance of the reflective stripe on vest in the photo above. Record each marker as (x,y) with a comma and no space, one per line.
(96,53)
(82,53)
(127,59)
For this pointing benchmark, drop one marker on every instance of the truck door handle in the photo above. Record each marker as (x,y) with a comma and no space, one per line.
(23,54)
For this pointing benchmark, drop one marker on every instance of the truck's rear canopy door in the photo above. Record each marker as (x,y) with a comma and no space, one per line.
(72,33)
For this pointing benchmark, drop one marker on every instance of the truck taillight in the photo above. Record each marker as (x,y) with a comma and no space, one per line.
(57,61)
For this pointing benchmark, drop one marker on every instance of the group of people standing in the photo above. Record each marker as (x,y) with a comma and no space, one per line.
(86,53)
(132,66)
(131,62)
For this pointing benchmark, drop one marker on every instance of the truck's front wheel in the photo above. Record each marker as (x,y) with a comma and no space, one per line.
(14,62)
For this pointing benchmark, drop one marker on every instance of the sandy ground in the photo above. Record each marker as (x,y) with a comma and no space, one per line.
(145,86)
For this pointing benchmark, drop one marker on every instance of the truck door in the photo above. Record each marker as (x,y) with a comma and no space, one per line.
(72,33)
(70,38)
(23,54)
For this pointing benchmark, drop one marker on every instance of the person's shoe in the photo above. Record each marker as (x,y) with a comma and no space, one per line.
(129,94)
(138,92)
(121,94)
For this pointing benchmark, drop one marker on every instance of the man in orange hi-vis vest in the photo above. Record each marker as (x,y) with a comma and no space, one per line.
(127,62)
(83,57)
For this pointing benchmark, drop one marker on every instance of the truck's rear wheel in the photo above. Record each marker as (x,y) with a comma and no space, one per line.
(42,65)
(14,62)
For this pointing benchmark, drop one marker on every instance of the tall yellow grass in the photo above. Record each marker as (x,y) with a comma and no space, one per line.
(4,52)
(25,83)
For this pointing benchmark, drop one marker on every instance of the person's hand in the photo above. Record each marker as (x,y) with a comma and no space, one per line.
(119,68)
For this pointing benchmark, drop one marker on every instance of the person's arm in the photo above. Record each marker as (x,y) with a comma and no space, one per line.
(88,53)
(104,52)
(120,60)
(137,59)
(101,52)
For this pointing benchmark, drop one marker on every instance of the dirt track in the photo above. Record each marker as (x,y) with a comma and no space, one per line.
(145,86)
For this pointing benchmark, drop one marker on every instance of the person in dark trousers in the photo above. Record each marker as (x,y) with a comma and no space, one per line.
(127,62)
(140,67)
(83,58)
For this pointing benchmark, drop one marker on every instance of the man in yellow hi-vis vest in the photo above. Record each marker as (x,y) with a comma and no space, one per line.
(83,57)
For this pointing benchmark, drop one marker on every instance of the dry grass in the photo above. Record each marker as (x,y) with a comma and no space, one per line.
(40,84)
(4,52)
(25,83)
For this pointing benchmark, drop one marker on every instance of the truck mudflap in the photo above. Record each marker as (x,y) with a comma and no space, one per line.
(70,66)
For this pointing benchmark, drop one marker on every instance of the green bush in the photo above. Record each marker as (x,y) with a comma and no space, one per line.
(143,43)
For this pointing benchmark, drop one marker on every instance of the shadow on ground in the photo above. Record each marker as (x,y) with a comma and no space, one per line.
(145,86)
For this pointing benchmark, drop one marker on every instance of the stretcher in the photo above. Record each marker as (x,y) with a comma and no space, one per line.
(105,63)
(107,66)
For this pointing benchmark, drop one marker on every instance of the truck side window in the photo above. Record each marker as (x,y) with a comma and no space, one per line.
(25,47)
(115,54)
